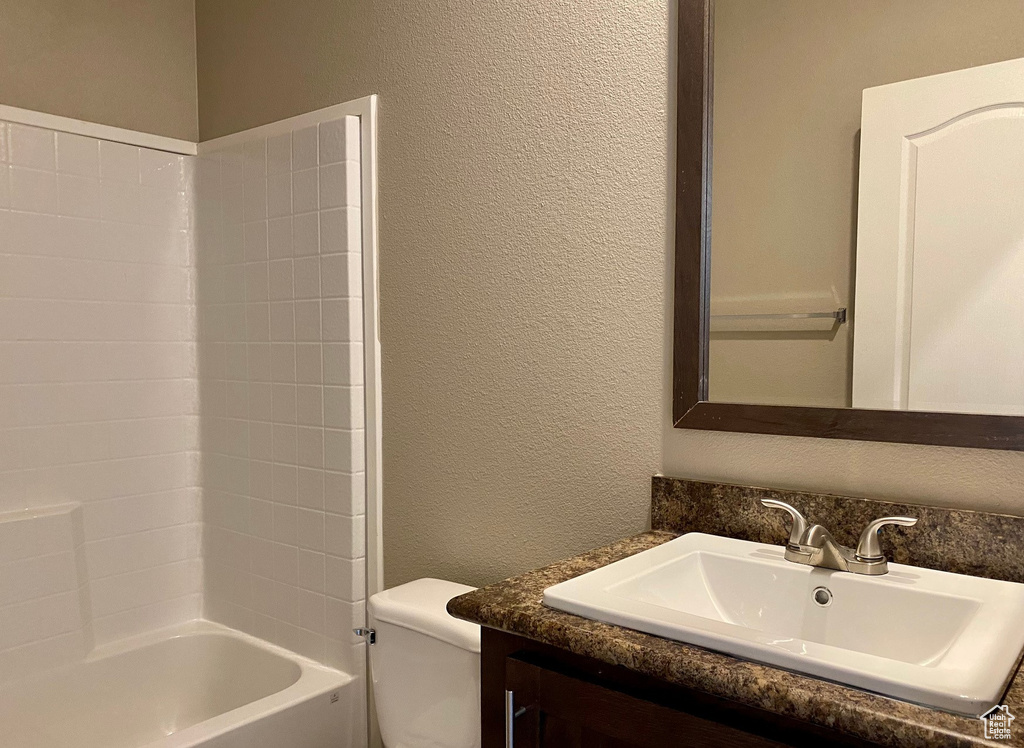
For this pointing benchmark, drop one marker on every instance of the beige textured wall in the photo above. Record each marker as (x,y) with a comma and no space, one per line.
(127,63)
(525,273)
(788,81)
(522,198)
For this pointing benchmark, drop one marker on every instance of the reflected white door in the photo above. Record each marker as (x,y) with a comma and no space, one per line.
(939,314)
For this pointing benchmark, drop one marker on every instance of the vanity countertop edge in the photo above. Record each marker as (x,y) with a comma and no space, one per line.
(515,606)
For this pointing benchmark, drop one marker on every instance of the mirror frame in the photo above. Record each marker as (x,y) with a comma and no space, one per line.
(691,336)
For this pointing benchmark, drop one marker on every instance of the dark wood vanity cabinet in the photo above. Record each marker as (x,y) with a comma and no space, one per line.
(560,700)
(557,710)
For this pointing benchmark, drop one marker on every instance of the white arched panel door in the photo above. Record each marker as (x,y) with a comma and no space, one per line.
(939,313)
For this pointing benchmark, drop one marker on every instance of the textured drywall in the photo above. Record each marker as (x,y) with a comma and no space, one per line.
(525,265)
(126,63)
(522,238)
(987,480)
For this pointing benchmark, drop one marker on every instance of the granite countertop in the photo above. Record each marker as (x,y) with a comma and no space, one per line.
(514,605)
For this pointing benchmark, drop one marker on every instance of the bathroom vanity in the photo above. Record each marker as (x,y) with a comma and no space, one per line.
(564,700)
(559,679)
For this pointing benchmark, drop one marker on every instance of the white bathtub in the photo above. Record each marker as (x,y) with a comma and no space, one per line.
(200,684)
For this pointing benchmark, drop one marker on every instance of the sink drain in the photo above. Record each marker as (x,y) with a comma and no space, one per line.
(822,596)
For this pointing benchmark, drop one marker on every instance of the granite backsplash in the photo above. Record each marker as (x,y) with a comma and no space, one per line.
(956,540)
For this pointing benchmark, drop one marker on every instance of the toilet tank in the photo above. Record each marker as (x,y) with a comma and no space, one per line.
(425,666)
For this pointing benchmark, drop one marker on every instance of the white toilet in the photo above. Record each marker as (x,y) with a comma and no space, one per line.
(425,666)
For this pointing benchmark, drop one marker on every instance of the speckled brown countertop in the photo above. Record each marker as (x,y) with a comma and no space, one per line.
(514,605)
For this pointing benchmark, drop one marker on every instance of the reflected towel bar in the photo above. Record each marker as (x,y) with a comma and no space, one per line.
(839,315)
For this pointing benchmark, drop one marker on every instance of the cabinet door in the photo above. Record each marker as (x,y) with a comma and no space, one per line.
(547,709)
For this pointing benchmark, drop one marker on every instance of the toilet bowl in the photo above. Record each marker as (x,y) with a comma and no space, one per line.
(425,667)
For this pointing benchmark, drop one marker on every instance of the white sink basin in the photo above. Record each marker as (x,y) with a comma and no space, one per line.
(944,640)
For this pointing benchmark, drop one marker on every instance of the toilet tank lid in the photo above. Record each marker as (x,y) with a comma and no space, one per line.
(420,606)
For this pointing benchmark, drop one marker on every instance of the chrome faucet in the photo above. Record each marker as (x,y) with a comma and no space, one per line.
(813,545)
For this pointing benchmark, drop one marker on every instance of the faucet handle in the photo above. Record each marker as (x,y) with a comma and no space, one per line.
(868,547)
(799,529)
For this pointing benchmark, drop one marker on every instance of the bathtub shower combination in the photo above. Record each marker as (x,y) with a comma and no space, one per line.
(197,684)
(184,433)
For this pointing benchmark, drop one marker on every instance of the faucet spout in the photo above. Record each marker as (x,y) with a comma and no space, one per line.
(814,545)
(824,551)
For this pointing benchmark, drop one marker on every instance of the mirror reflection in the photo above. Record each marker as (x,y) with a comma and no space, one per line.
(867,213)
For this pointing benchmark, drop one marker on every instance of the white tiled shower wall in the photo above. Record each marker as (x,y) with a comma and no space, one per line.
(98,395)
(137,289)
(281,381)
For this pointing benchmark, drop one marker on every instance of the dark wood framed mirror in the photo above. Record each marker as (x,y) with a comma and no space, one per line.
(692,407)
